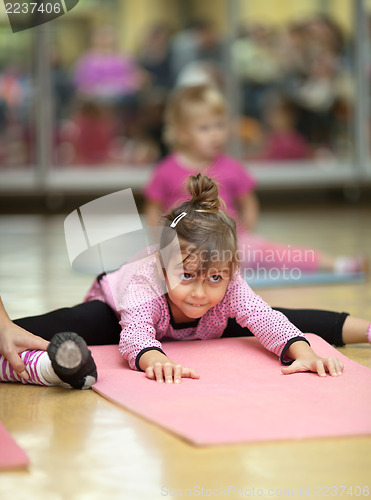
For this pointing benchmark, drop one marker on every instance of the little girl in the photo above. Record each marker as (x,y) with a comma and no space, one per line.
(205,297)
(204,291)
(196,129)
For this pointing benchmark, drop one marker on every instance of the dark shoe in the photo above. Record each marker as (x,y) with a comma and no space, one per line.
(72,360)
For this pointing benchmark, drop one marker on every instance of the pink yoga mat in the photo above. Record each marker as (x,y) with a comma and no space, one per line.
(11,455)
(242,396)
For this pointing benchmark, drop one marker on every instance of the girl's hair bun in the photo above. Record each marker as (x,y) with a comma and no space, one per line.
(202,229)
(204,192)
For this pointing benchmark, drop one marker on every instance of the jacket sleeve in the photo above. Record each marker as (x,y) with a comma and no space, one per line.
(273,330)
(138,333)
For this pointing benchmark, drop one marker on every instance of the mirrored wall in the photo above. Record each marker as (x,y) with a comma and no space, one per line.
(82,97)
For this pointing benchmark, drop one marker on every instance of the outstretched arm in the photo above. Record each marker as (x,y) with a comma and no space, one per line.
(14,340)
(305,359)
(159,367)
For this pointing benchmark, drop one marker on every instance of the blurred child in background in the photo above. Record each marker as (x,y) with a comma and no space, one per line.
(283,141)
(196,128)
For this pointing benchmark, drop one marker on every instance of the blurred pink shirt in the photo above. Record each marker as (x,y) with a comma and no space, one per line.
(168,184)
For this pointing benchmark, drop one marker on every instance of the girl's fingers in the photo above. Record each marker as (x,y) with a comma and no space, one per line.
(158,372)
(190,373)
(168,373)
(150,373)
(329,365)
(340,366)
(334,366)
(178,374)
(320,368)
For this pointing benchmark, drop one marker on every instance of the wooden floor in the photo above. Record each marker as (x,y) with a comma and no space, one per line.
(85,448)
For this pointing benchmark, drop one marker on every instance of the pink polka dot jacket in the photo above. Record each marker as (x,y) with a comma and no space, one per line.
(137,294)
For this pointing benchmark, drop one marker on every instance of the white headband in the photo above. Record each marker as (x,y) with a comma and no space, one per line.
(177,219)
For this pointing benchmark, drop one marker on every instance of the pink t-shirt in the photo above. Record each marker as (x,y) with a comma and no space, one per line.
(168,185)
(137,294)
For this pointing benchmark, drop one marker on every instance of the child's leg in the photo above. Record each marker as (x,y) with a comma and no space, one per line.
(94,321)
(356,330)
(38,367)
(335,328)
(326,324)
(67,360)
(259,252)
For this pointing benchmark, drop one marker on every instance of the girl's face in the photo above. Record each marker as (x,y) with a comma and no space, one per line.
(204,135)
(191,292)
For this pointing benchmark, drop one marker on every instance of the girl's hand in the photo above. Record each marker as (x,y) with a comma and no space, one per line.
(305,359)
(159,367)
(333,366)
(169,372)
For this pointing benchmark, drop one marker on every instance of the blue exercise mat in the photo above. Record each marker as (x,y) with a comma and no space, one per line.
(265,280)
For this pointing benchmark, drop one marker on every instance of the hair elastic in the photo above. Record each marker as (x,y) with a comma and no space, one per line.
(177,219)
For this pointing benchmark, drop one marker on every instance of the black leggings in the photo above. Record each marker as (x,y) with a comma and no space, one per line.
(96,322)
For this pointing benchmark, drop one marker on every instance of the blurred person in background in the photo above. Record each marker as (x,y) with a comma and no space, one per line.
(154,55)
(319,82)
(103,129)
(196,54)
(104,73)
(307,62)
(17,97)
(255,63)
(197,131)
(3,126)
(279,139)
